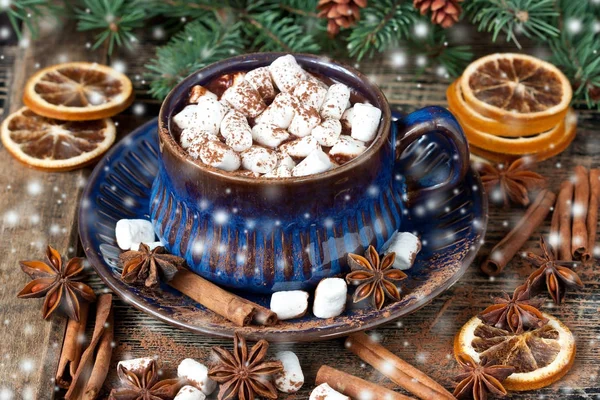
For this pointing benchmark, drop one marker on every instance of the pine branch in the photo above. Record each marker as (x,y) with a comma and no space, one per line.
(188,9)
(28,12)
(382,25)
(529,17)
(114,18)
(198,45)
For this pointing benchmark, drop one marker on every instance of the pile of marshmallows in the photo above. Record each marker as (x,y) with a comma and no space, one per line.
(271,118)
(199,386)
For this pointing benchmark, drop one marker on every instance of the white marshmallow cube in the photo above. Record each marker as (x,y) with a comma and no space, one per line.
(236,131)
(289,304)
(406,246)
(194,136)
(136,365)
(346,148)
(315,163)
(310,77)
(258,159)
(300,148)
(260,79)
(335,102)
(280,112)
(365,121)
(133,231)
(197,375)
(330,298)
(310,94)
(205,116)
(269,135)
(325,392)
(151,245)
(285,161)
(244,98)
(280,172)
(346,121)
(304,121)
(287,73)
(198,91)
(291,379)
(190,393)
(327,132)
(186,117)
(217,155)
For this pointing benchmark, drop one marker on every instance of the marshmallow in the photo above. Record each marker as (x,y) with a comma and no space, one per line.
(291,379)
(300,148)
(289,304)
(280,172)
(216,154)
(304,121)
(258,159)
(190,393)
(200,91)
(286,73)
(285,161)
(406,246)
(346,121)
(197,375)
(365,121)
(346,148)
(328,132)
(315,163)
(330,298)
(236,131)
(310,93)
(194,136)
(269,135)
(245,99)
(260,79)
(205,116)
(133,231)
(335,101)
(135,365)
(280,112)
(151,245)
(325,392)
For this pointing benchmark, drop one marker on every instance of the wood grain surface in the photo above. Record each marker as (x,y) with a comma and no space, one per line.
(37,208)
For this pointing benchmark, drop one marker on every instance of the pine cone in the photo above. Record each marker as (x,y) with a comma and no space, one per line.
(340,13)
(443,12)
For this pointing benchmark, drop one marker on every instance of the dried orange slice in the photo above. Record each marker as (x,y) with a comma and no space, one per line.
(516,88)
(464,112)
(78,91)
(55,145)
(540,357)
(522,145)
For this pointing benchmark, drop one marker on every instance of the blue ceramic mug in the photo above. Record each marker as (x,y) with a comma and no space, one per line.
(265,235)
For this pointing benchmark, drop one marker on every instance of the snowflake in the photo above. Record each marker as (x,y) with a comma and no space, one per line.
(11,218)
(421,61)
(119,65)
(398,59)
(221,217)
(139,109)
(574,25)
(421,29)
(4,33)
(6,394)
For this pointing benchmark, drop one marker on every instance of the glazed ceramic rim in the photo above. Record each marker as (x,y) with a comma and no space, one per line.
(167,140)
(122,290)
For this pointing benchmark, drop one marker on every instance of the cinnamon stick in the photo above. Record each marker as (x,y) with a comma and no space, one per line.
(234,308)
(102,362)
(86,366)
(592,217)
(396,369)
(564,205)
(581,202)
(355,387)
(506,249)
(72,347)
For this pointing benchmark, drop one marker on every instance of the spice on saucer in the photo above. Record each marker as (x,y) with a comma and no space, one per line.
(148,266)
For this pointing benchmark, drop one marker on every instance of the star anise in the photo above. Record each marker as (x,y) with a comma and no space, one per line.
(374,279)
(145,385)
(557,274)
(149,265)
(478,380)
(58,282)
(514,182)
(245,375)
(517,314)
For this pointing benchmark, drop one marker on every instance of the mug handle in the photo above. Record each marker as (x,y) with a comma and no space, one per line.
(434,119)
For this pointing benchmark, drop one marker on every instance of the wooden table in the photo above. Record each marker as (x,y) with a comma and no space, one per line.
(37,208)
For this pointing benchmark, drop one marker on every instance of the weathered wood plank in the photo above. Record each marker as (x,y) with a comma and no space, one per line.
(38,208)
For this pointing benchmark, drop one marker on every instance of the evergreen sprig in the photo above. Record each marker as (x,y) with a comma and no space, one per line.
(115,19)
(511,17)
(28,12)
(198,45)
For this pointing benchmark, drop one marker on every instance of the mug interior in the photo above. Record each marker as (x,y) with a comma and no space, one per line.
(359,84)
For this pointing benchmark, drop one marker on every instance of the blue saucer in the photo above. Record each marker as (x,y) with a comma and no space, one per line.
(451,226)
